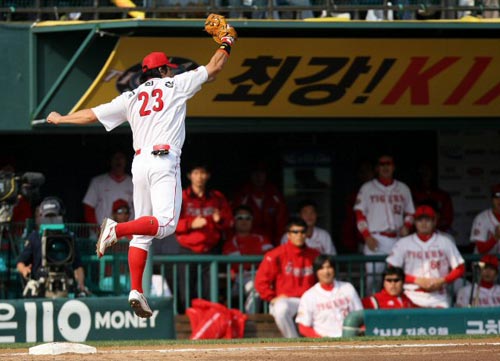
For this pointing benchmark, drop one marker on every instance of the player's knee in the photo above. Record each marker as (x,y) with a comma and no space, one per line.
(166,227)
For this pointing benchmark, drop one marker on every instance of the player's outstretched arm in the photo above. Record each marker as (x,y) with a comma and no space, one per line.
(224,35)
(85,116)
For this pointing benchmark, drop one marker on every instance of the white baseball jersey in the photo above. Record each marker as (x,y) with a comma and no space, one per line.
(156,111)
(488,297)
(325,311)
(320,240)
(431,259)
(103,191)
(483,228)
(384,206)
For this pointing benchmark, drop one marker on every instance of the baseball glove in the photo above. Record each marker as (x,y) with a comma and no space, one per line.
(220,30)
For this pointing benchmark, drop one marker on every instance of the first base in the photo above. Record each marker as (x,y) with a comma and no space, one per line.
(58,348)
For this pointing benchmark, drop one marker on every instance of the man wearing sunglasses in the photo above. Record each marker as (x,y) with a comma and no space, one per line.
(384,212)
(284,274)
(243,241)
(391,295)
(430,260)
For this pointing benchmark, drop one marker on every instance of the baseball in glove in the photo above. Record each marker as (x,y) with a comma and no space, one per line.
(220,30)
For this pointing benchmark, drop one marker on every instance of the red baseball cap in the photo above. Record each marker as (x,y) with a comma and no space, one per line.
(120,203)
(425,211)
(155,60)
(490,259)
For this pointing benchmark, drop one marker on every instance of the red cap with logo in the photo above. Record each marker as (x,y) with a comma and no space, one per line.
(490,259)
(425,211)
(155,60)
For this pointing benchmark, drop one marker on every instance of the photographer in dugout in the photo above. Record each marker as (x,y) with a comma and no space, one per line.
(30,261)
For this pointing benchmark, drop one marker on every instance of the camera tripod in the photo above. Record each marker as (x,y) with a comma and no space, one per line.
(7,240)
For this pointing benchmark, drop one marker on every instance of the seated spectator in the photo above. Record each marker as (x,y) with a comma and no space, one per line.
(426,257)
(391,295)
(486,226)
(244,242)
(29,263)
(317,238)
(323,308)
(284,274)
(487,292)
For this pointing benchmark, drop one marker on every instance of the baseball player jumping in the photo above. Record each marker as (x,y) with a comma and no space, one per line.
(155,111)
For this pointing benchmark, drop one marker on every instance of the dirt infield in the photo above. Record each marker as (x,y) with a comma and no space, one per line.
(447,350)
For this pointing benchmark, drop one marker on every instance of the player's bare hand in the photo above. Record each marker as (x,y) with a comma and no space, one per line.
(423,283)
(26,271)
(216,216)
(198,222)
(54,117)
(371,243)
(436,284)
(404,231)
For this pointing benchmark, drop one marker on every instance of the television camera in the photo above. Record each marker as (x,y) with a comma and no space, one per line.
(11,186)
(54,279)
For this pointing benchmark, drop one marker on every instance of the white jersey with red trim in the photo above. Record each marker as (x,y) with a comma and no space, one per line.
(384,206)
(488,297)
(431,259)
(483,228)
(319,240)
(155,110)
(104,190)
(325,311)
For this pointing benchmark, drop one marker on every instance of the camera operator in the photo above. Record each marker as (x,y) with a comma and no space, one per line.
(30,261)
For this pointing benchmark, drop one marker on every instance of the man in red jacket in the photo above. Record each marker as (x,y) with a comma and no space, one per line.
(391,295)
(204,219)
(284,274)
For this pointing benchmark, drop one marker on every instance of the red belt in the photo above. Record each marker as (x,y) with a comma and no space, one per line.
(160,149)
(388,234)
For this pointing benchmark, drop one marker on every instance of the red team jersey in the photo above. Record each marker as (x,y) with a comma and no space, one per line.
(286,270)
(204,239)
(269,211)
(252,244)
(383,300)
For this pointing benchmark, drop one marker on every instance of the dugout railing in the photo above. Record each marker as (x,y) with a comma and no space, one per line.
(109,275)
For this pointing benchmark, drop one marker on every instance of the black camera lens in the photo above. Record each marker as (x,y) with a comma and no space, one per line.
(59,250)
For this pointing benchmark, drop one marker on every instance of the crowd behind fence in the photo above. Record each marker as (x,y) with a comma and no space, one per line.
(38,10)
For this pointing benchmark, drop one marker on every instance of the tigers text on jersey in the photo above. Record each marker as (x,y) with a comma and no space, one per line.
(488,297)
(431,259)
(384,206)
(483,228)
(325,310)
(155,110)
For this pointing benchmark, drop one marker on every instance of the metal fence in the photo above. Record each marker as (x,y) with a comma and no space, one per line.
(231,277)
(37,10)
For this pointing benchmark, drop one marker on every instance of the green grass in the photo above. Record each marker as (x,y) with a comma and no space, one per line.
(250,341)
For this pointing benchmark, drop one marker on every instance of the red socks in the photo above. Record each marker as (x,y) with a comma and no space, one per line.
(136,262)
(144,226)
